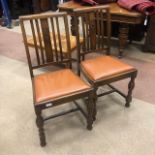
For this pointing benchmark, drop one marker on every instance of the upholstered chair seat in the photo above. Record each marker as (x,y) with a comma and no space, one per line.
(56,84)
(105,67)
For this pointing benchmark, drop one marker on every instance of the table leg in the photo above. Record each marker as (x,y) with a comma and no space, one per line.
(36,6)
(123,36)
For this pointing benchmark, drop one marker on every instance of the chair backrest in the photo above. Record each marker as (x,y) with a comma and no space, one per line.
(95,28)
(45,31)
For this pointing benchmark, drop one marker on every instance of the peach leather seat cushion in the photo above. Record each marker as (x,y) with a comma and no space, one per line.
(104,67)
(30,42)
(51,85)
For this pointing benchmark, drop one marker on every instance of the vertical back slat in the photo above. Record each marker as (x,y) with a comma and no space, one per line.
(67,39)
(98,28)
(100,34)
(108,31)
(35,41)
(92,30)
(83,33)
(77,18)
(59,39)
(54,39)
(87,31)
(67,34)
(102,28)
(46,39)
(40,40)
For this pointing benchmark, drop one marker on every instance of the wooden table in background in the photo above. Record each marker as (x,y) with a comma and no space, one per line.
(118,14)
(149,45)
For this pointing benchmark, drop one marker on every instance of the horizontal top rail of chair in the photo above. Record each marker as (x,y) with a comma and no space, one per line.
(87,9)
(44,15)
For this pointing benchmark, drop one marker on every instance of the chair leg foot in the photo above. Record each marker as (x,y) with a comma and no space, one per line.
(89,127)
(42,144)
(94,118)
(127,105)
(131,86)
(40,124)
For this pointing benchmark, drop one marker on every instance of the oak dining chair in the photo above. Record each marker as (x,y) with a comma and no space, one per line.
(100,69)
(51,87)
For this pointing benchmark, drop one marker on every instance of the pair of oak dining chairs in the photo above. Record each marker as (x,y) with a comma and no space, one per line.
(49,47)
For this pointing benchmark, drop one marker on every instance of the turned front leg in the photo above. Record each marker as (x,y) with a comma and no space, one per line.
(131,86)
